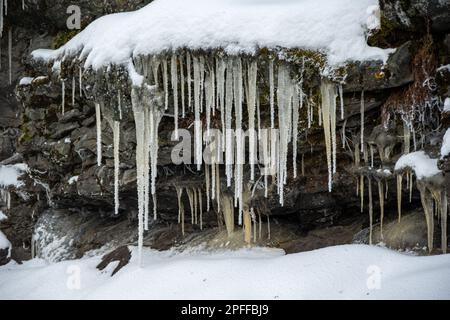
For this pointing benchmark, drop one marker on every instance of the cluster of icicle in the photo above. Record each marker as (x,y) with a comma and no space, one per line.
(433,194)
(224,85)
(3,13)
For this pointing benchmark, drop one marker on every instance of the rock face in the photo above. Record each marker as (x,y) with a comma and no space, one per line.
(66,207)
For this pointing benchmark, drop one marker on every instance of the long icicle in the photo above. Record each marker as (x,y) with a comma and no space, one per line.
(399,196)
(98,118)
(174,80)
(381,199)
(251,105)
(116,143)
(362,120)
(63,96)
(271,94)
(327,129)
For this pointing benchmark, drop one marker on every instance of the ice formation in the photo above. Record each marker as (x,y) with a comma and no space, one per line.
(228,87)
(98,118)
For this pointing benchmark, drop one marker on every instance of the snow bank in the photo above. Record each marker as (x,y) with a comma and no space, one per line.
(336,27)
(9,175)
(341,272)
(420,162)
(2,216)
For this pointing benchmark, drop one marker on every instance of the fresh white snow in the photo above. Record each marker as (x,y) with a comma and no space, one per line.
(420,162)
(336,27)
(341,272)
(9,174)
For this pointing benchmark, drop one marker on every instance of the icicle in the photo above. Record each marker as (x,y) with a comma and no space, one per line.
(308,113)
(207,183)
(80,80)
(326,106)
(399,196)
(370,209)
(271,94)
(63,95)
(200,206)
(251,105)
(427,204)
(341,98)
(344,138)
(260,226)
(295,118)
(190,194)
(228,213)
(268,227)
(240,145)
(229,145)
(189,79)
(221,66)
(183,103)
(209,103)
(174,79)
(119,104)
(319,115)
(99,132)
(180,208)
(197,125)
(165,84)
(195,205)
(155,62)
(73,91)
(116,142)
(406,139)
(284,94)
(1,18)
(9,52)
(381,199)
(362,120)
(361,192)
(247,227)
(147,117)
(332,93)
(218,186)
(410,186)
(444,212)
(371,155)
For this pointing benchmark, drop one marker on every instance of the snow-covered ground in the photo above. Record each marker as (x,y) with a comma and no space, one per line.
(336,27)
(341,272)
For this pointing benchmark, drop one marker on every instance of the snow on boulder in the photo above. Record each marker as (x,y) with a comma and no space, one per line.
(335,27)
(445,147)
(9,174)
(420,162)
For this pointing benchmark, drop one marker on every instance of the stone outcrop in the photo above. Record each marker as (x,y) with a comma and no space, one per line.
(71,200)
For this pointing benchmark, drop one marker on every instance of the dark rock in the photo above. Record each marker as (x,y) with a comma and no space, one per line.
(121,254)
(413,15)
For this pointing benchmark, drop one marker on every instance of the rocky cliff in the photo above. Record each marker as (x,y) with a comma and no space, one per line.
(67,204)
